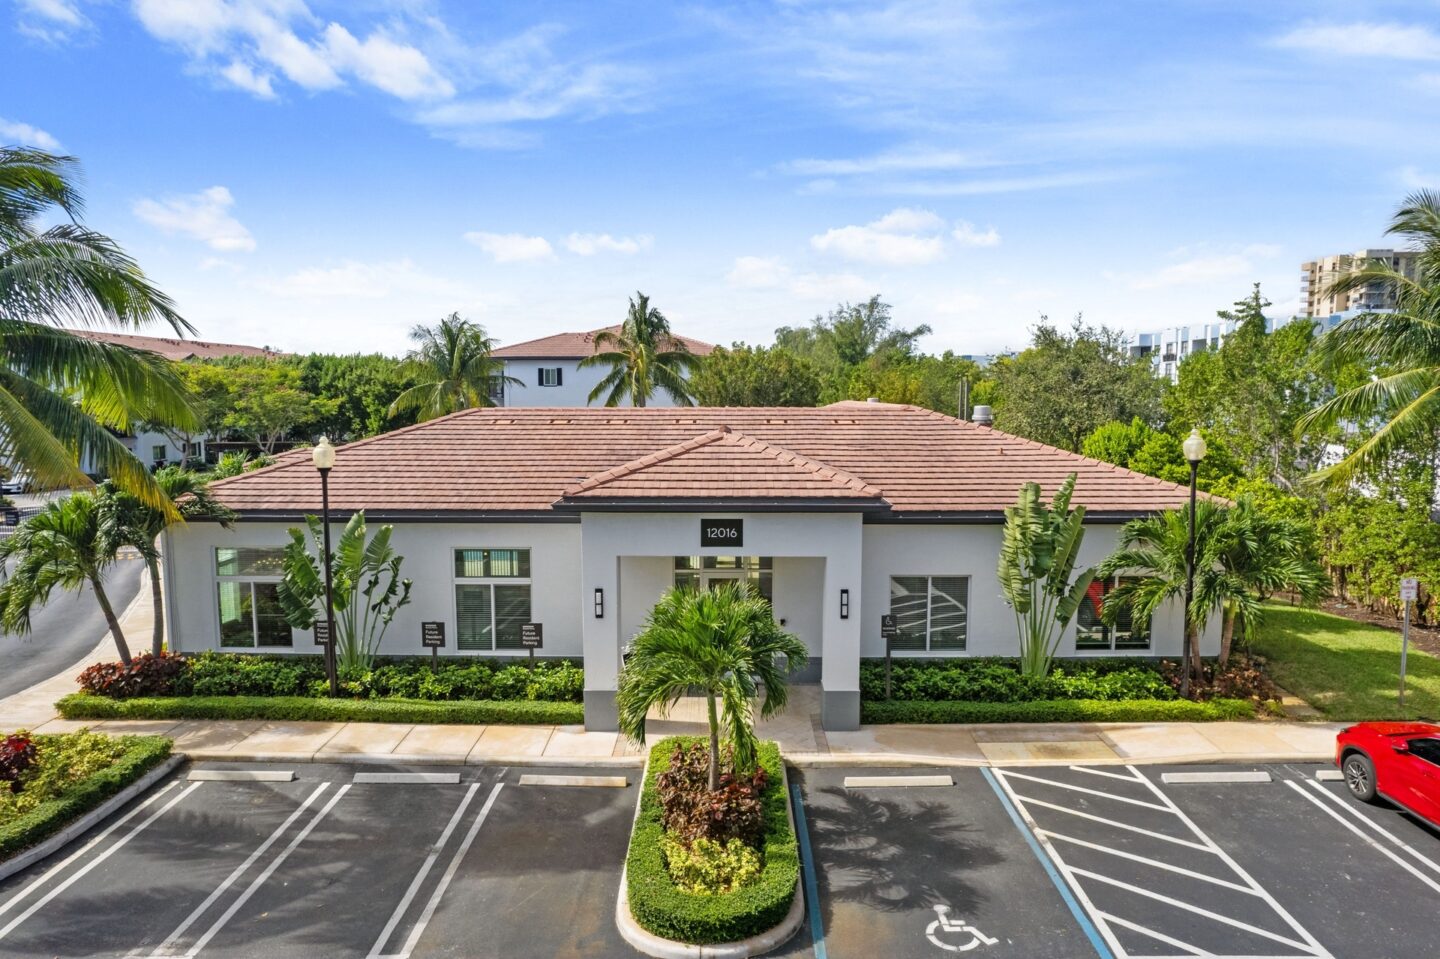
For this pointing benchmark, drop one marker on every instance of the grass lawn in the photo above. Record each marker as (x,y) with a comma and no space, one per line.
(1347,670)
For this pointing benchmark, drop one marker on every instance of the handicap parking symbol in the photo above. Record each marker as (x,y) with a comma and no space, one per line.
(963,935)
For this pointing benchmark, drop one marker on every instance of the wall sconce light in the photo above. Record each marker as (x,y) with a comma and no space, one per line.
(844,604)
(599,603)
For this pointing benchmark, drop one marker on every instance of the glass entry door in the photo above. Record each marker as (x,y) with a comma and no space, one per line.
(709,580)
(708,572)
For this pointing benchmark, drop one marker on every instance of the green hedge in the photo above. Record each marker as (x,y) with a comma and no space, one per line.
(142,754)
(662,908)
(1056,711)
(999,680)
(293,708)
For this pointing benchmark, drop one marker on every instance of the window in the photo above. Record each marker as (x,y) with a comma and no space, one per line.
(931,612)
(1427,749)
(246,597)
(549,376)
(157,452)
(1091,632)
(492,598)
(711,571)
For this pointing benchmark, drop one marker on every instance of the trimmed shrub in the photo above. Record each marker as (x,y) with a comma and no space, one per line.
(663,908)
(297,708)
(1000,681)
(17,754)
(711,868)
(1056,711)
(690,811)
(147,675)
(133,756)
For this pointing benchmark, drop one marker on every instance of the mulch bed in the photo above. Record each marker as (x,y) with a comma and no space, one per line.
(1426,638)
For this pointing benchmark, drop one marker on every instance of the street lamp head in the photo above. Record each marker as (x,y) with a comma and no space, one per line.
(323,455)
(1194,446)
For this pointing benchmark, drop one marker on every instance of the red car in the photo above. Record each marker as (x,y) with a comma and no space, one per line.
(1396,761)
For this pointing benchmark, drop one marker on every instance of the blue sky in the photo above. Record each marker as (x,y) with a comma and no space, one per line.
(324,175)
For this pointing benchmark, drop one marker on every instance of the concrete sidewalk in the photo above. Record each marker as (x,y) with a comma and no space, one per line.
(798,731)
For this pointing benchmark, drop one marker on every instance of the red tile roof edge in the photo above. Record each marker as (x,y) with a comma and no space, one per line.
(517,351)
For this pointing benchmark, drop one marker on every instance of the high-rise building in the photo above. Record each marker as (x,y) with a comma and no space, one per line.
(1316,276)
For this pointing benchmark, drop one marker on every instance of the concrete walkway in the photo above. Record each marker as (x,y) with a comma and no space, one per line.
(797,730)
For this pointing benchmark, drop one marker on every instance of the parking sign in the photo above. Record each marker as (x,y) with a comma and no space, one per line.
(1409,589)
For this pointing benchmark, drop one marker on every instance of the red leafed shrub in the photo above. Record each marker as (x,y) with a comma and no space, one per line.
(147,675)
(690,810)
(1243,677)
(17,754)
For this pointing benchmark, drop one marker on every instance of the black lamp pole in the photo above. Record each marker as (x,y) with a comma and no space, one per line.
(324,458)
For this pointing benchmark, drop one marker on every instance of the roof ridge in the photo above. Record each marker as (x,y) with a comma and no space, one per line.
(818,467)
(663,455)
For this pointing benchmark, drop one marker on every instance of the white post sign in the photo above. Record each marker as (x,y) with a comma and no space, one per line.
(1409,592)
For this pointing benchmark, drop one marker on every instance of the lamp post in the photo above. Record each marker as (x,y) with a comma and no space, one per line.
(323,457)
(1194,447)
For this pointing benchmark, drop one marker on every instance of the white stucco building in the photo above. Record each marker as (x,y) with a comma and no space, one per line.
(579,519)
(550,374)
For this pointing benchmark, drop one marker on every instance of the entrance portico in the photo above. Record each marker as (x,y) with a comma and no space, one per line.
(629,559)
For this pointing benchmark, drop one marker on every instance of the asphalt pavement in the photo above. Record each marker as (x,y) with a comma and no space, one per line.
(66,629)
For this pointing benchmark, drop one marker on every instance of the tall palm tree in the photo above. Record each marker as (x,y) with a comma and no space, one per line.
(723,642)
(62,395)
(644,357)
(1403,348)
(63,546)
(457,369)
(126,520)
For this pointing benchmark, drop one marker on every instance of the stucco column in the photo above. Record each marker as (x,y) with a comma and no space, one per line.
(840,662)
(600,635)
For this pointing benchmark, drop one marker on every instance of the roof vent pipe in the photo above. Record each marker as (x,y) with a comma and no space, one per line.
(872,399)
(982,415)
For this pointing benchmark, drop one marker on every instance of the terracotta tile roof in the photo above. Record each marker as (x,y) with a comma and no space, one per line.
(508,461)
(578,345)
(174,348)
(723,464)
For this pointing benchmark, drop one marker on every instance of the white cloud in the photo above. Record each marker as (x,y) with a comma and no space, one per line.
(24,134)
(1385,40)
(511,247)
(1198,266)
(889,162)
(830,287)
(51,20)
(247,43)
(204,216)
(903,237)
(757,272)
(966,234)
(589,244)
(772,273)
(353,279)
(1413,178)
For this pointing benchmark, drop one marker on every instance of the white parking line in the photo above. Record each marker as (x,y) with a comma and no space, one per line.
(1146,860)
(1153,934)
(1088,792)
(1367,840)
(60,867)
(430,907)
(240,870)
(83,870)
(1103,772)
(1109,822)
(425,868)
(259,881)
(1394,839)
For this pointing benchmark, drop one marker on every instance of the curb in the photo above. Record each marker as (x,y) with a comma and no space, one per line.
(757,945)
(876,760)
(414,759)
(91,819)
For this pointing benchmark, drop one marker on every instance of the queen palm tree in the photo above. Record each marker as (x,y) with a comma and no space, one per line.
(63,546)
(62,396)
(723,642)
(457,369)
(643,357)
(126,520)
(1402,348)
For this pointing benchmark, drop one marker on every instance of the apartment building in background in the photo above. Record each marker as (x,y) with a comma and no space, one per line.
(1316,276)
(550,374)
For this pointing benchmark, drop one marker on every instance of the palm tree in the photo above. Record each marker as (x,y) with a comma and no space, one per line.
(125,520)
(643,356)
(63,546)
(725,644)
(62,395)
(457,369)
(1402,347)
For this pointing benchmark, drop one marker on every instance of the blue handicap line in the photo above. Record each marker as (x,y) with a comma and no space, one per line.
(807,862)
(1092,933)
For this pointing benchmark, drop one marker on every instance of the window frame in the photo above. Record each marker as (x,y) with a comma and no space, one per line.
(1112,645)
(490,582)
(555,371)
(249,580)
(930,650)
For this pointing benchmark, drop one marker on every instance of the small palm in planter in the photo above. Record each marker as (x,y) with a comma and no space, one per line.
(723,643)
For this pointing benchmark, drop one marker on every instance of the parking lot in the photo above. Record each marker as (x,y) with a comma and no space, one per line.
(1035,862)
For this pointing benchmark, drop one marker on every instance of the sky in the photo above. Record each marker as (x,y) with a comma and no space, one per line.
(322,176)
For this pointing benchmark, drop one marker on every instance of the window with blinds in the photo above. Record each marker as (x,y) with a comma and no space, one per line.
(492,598)
(931,613)
(247,597)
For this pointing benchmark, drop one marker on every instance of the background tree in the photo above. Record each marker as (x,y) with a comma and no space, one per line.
(63,398)
(454,368)
(1117,442)
(365,386)
(1066,385)
(211,398)
(268,405)
(644,357)
(723,643)
(63,545)
(1038,550)
(125,520)
(851,335)
(932,382)
(755,376)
